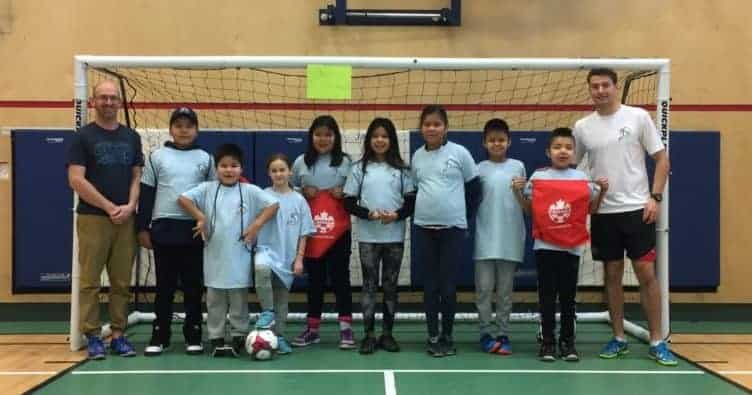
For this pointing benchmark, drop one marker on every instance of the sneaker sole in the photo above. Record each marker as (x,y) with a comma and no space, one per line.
(148,353)
(346,346)
(197,351)
(612,356)
(661,362)
(503,352)
(304,344)
(96,357)
(571,358)
(547,358)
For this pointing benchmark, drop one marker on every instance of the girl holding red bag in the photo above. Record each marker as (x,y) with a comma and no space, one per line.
(559,199)
(321,173)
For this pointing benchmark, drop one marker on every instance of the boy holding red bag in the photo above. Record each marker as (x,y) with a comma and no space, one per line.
(559,199)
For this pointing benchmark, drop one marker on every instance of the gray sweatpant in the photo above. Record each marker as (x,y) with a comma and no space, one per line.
(490,274)
(272,295)
(220,302)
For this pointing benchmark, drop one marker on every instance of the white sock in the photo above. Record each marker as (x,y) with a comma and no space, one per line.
(621,339)
(654,343)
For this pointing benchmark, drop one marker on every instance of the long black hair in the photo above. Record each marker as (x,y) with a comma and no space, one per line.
(311,155)
(392,155)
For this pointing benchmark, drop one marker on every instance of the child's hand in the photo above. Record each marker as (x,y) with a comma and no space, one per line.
(144,240)
(387,217)
(602,182)
(337,192)
(200,230)
(249,236)
(374,215)
(518,183)
(297,266)
(310,192)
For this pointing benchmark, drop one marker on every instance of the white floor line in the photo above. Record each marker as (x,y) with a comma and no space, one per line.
(27,373)
(381,371)
(390,388)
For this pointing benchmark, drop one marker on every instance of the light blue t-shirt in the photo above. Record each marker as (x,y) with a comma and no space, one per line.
(499,224)
(550,173)
(383,188)
(277,245)
(440,176)
(227,258)
(321,175)
(173,171)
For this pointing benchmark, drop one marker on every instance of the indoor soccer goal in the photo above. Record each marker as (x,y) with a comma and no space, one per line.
(266,95)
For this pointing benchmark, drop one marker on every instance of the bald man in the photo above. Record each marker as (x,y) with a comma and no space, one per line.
(104,168)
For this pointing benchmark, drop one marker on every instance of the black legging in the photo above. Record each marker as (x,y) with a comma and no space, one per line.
(335,263)
(441,251)
(183,264)
(557,277)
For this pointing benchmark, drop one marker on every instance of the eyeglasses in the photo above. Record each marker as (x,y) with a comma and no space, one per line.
(106,98)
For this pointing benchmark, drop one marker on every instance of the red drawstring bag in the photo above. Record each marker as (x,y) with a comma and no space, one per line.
(560,209)
(331,222)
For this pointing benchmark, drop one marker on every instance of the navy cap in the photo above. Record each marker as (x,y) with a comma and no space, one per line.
(184,112)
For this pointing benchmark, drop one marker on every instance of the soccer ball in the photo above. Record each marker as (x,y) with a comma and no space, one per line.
(261,344)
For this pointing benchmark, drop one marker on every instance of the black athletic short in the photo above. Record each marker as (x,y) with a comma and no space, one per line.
(612,234)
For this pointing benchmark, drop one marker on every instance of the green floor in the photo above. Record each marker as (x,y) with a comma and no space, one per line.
(325,369)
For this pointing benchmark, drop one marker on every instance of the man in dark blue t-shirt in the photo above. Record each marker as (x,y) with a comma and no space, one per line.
(104,169)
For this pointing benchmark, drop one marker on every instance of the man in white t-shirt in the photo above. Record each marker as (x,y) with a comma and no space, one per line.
(616,137)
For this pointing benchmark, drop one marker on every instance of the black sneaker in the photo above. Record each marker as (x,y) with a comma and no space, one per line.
(368,345)
(387,343)
(567,351)
(218,347)
(447,346)
(159,342)
(238,344)
(433,347)
(547,352)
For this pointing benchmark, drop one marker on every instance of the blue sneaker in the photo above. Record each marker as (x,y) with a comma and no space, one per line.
(121,346)
(265,320)
(95,347)
(662,355)
(613,349)
(506,345)
(489,344)
(283,347)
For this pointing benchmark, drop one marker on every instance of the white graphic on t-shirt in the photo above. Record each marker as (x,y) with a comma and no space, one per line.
(560,211)
(324,222)
(624,132)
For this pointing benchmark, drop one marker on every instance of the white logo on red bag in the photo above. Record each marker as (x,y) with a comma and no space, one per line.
(560,211)
(324,222)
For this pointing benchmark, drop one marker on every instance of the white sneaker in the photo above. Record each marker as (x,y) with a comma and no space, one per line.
(153,350)
(194,349)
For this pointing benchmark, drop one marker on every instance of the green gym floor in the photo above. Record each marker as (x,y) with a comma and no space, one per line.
(324,369)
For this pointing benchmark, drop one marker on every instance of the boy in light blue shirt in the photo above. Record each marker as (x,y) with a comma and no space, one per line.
(499,237)
(164,227)
(229,215)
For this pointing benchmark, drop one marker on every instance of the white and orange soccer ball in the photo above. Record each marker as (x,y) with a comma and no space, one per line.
(261,344)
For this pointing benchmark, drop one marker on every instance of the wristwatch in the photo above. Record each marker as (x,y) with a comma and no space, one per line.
(658,197)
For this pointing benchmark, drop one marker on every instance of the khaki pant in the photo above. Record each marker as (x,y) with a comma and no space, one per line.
(102,244)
